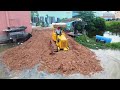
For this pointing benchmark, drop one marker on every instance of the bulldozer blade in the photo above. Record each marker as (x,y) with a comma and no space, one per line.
(53,47)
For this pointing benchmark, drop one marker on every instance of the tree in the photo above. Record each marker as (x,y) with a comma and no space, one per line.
(100,24)
(98,27)
(86,15)
(95,25)
(34,13)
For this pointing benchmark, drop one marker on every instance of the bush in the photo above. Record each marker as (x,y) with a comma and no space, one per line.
(96,26)
(113,26)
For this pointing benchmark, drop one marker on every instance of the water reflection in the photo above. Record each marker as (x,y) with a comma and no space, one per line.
(115,37)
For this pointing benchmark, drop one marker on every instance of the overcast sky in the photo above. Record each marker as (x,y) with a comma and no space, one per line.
(100,13)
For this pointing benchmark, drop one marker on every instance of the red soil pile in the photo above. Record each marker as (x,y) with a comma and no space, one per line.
(36,50)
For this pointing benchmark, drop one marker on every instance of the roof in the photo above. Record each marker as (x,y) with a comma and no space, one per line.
(108,14)
(70,19)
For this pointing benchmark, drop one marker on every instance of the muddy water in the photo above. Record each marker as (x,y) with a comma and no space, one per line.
(114,37)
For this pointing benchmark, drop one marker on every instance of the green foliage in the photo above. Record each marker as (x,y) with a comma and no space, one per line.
(79,27)
(86,15)
(92,44)
(89,42)
(95,25)
(113,45)
(98,27)
(33,13)
(100,23)
(113,26)
(38,24)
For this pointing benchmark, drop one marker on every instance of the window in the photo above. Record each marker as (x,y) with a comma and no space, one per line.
(51,20)
(35,19)
(58,19)
(41,18)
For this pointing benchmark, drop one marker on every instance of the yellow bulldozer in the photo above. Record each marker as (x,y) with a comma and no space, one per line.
(60,41)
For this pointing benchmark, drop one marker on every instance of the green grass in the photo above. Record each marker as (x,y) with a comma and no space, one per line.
(113,26)
(92,44)
(89,42)
(113,45)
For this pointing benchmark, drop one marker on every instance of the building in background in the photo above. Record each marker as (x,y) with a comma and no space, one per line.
(117,14)
(56,16)
(97,13)
(52,16)
(108,15)
(14,19)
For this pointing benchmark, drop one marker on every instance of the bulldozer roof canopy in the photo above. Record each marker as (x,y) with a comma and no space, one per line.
(56,25)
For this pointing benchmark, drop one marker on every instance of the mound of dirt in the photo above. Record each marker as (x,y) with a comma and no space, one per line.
(78,59)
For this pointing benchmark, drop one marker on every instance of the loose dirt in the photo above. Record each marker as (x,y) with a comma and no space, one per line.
(36,50)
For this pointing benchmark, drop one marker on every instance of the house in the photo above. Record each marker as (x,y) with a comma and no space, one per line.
(117,14)
(108,16)
(16,19)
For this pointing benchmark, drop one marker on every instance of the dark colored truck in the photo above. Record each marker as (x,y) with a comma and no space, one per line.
(15,33)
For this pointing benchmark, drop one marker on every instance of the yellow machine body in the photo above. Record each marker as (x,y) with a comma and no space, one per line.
(60,40)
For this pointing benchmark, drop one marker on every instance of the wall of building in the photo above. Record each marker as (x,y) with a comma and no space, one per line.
(57,14)
(53,15)
(14,18)
(117,14)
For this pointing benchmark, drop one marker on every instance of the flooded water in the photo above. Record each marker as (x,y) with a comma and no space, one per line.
(115,38)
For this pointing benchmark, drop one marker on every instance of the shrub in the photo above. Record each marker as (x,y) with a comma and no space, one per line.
(113,26)
(96,26)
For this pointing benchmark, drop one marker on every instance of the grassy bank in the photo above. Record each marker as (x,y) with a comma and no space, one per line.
(113,26)
(92,44)
(113,45)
